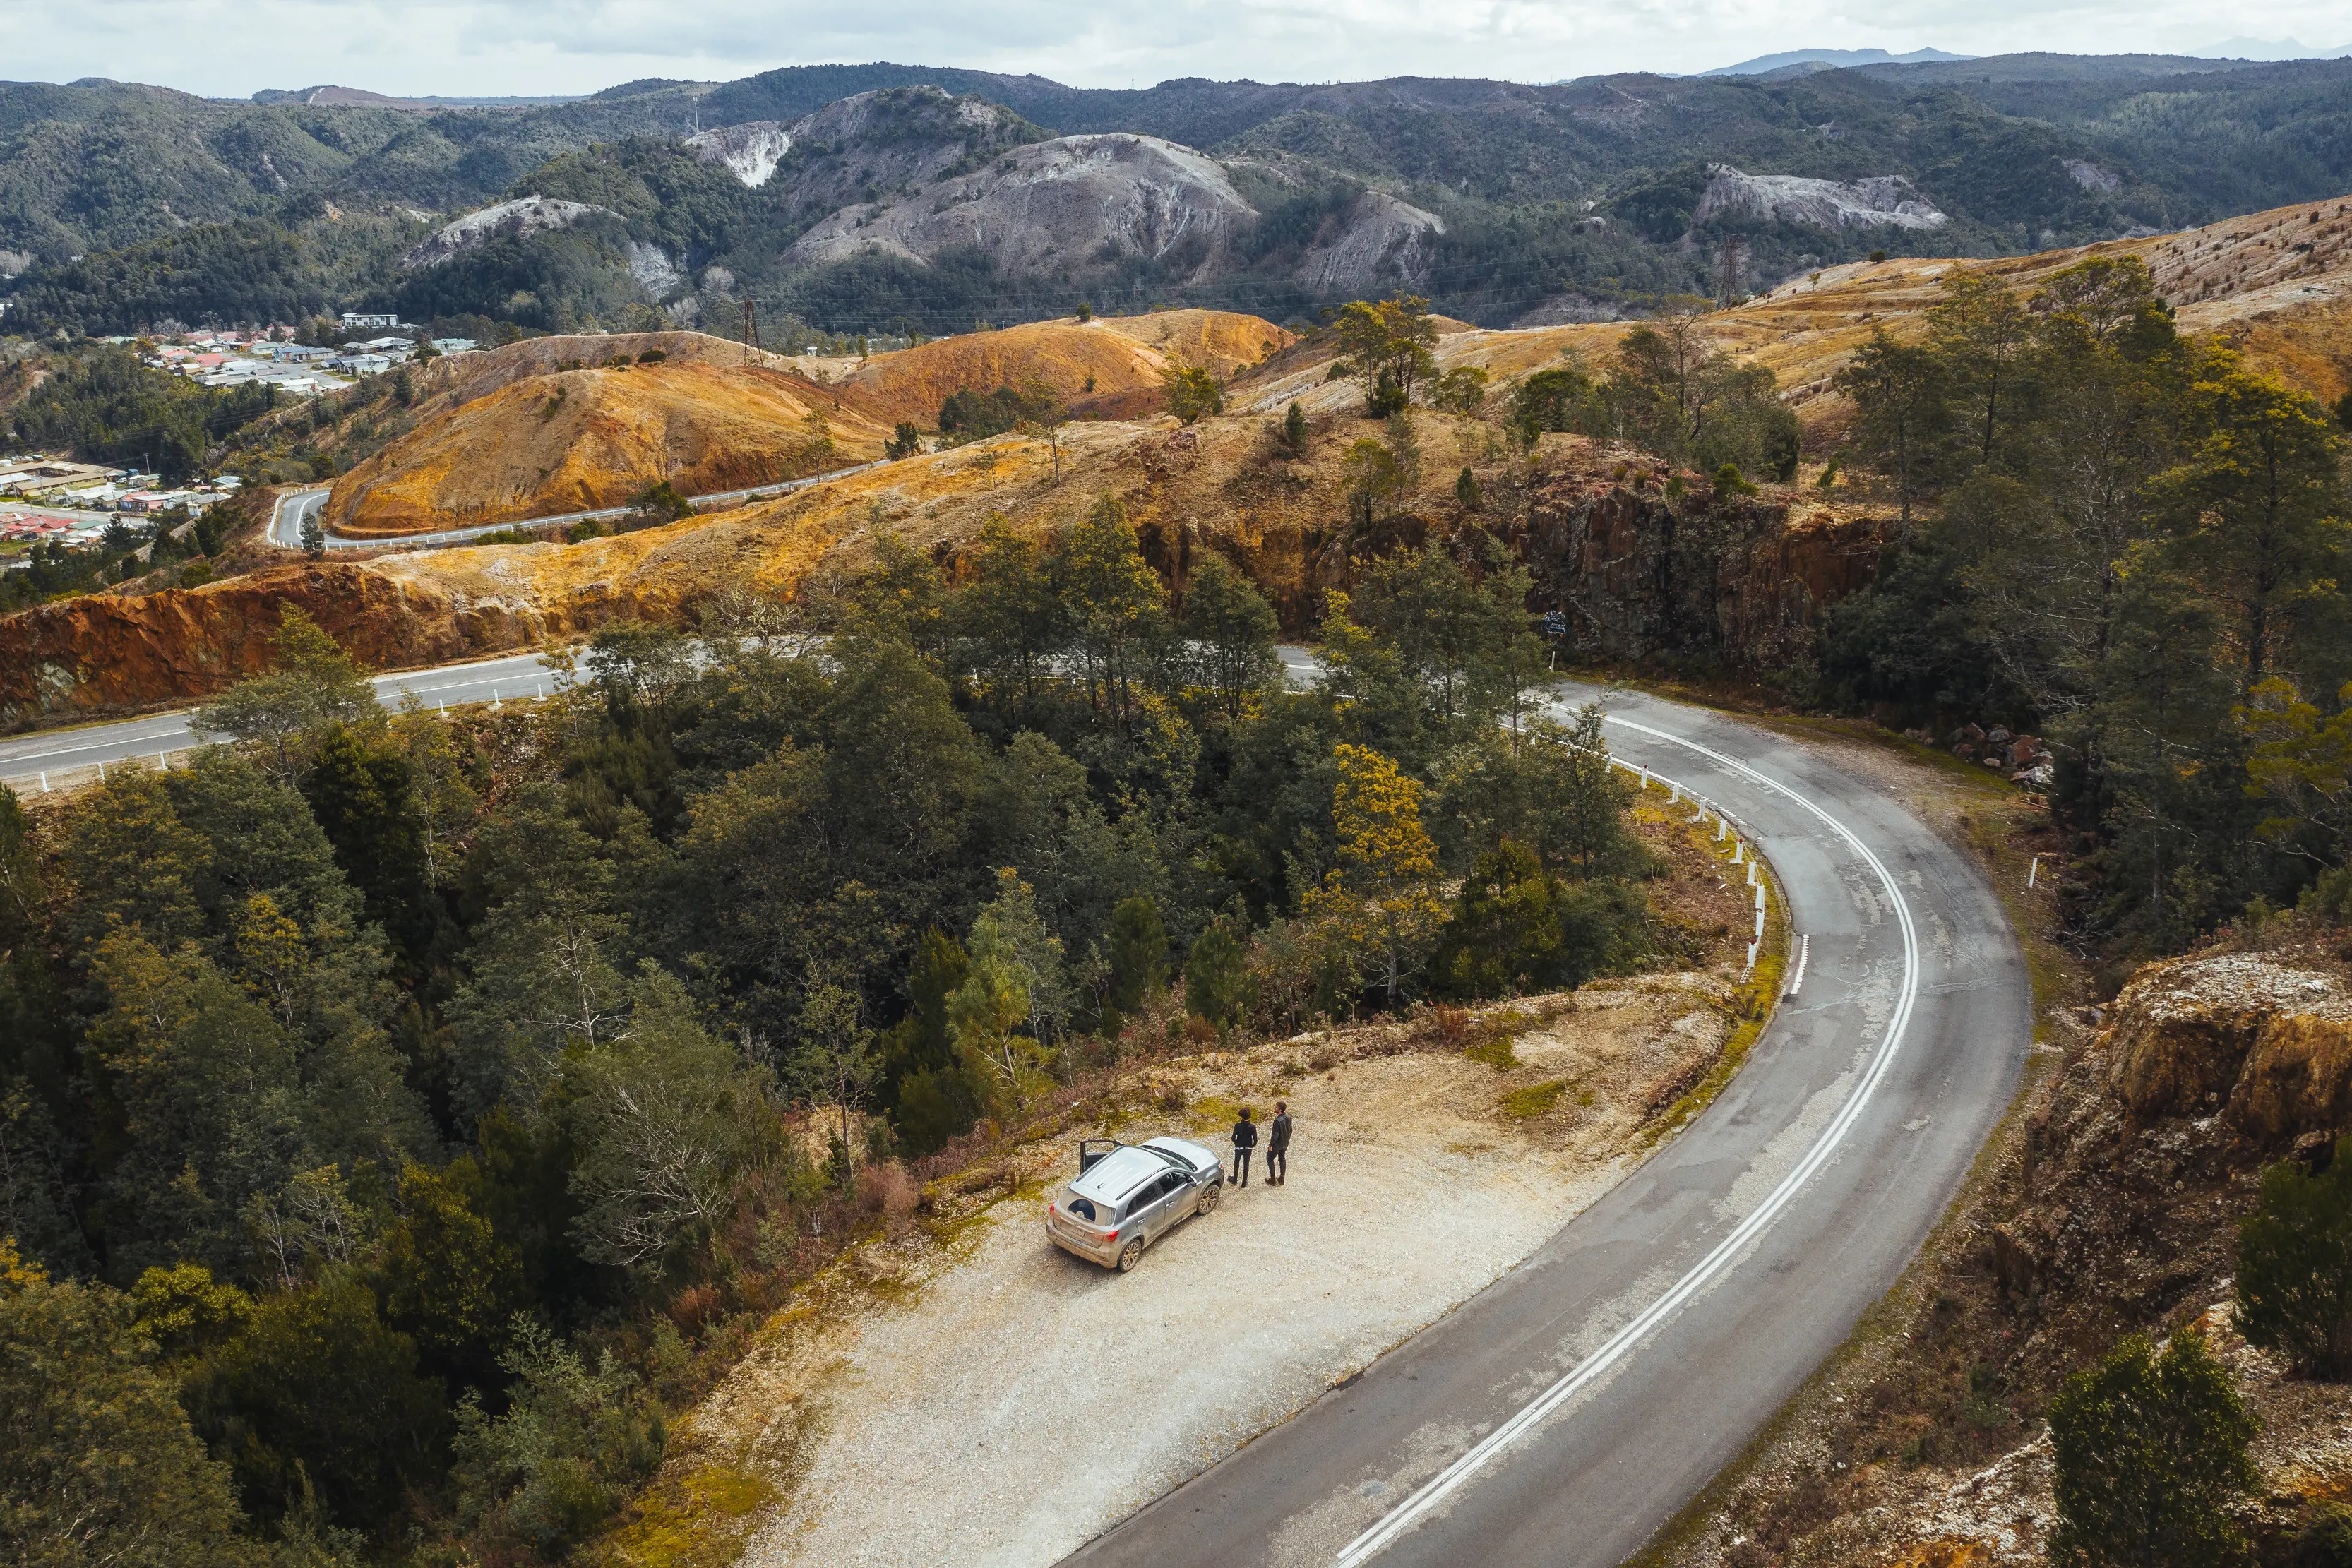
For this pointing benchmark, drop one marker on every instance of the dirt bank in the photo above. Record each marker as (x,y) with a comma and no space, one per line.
(1223,485)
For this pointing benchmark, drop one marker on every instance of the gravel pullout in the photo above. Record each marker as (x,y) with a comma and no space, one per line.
(1015,1401)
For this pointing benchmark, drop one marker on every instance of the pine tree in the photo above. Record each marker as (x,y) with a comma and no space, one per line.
(1139,953)
(1216,977)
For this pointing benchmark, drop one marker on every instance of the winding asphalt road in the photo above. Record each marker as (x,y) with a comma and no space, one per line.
(1563,1415)
(294,506)
(62,753)
(1566,1413)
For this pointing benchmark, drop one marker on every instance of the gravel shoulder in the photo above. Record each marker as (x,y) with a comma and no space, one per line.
(966,1392)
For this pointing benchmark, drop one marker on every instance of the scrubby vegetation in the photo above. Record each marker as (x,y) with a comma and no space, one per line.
(408,1113)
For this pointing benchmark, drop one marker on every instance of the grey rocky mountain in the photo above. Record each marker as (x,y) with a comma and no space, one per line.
(1883,200)
(516,219)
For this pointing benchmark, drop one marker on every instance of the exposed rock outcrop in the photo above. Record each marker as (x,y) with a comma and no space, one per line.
(1077,201)
(1888,200)
(751,151)
(1642,574)
(2267,1041)
(1380,242)
(99,654)
(520,217)
(894,139)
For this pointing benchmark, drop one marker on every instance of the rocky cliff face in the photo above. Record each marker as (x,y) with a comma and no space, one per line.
(99,653)
(1379,243)
(2266,1044)
(873,145)
(1077,202)
(523,216)
(1886,199)
(1641,573)
(750,151)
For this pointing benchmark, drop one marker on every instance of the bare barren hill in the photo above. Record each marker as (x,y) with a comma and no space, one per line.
(577,440)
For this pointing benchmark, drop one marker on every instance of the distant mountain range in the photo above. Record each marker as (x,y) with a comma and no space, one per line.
(1830,59)
(2243,48)
(881,197)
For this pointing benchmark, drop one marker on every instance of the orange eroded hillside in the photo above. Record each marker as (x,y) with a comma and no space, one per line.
(2277,283)
(1225,484)
(457,378)
(1122,357)
(506,436)
(578,440)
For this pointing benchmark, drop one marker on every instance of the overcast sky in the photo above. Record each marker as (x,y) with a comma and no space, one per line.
(232,48)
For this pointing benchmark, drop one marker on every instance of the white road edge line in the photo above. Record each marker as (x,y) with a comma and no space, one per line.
(1805,951)
(1409,1513)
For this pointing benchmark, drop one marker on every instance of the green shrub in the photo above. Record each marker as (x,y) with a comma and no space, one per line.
(2294,1267)
(570,1446)
(2151,1454)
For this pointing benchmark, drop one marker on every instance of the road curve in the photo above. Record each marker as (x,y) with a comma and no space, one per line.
(294,506)
(1567,1412)
(69,753)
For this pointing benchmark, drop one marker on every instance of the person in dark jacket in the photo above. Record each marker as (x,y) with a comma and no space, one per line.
(1244,1140)
(1277,1144)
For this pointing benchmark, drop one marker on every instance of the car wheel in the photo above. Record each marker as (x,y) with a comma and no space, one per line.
(1208,1196)
(1130,1255)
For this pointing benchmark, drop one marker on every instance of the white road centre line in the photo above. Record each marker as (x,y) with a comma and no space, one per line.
(1406,1514)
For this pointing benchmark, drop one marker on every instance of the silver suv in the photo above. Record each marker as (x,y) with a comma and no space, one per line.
(1129,1196)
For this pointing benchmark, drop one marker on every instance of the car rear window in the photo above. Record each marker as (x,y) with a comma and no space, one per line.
(1077,1205)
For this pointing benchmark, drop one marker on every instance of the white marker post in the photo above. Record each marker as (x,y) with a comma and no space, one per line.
(2032,871)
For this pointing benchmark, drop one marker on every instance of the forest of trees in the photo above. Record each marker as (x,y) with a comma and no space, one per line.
(104,406)
(2120,538)
(375,1088)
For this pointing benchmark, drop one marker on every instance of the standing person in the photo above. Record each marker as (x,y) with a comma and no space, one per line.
(1277,1146)
(1244,1140)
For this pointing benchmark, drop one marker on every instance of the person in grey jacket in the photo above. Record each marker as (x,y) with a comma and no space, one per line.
(1277,1146)
(1244,1140)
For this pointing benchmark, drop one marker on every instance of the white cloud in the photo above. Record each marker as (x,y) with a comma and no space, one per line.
(231,47)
